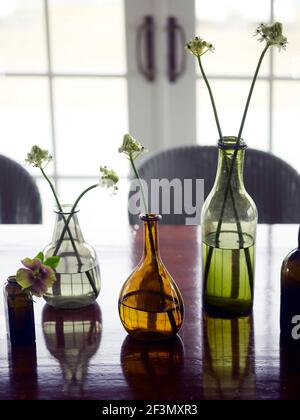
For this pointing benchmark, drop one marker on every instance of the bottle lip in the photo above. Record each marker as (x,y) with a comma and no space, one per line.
(230,143)
(150,217)
(12,279)
(66,209)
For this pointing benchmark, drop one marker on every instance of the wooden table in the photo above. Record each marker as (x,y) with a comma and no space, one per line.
(87,354)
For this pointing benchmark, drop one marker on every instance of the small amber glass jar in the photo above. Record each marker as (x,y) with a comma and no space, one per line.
(19,313)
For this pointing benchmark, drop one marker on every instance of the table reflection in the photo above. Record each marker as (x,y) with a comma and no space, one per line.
(73,337)
(23,372)
(289,368)
(153,369)
(228,346)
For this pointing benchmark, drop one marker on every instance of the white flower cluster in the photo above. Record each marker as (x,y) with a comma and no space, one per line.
(272,34)
(38,157)
(131,147)
(198,46)
(109,178)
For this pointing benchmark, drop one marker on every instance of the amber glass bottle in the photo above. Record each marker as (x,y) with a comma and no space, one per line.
(290,295)
(19,313)
(150,304)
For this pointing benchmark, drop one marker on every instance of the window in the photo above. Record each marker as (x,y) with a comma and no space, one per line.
(271,123)
(63,86)
(69,81)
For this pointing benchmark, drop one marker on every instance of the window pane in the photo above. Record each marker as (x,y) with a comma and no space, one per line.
(98,207)
(87,36)
(287,63)
(24,116)
(230,25)
(91,119)
(230,97)
(22,36)
(286,118)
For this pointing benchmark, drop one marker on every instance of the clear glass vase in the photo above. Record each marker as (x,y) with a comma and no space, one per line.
(150,303)
(228,223)
(77,274)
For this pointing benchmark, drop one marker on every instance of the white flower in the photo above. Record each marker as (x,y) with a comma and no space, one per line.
(198,46)
(38,157)
(272,34)
(131,147)
(109,179)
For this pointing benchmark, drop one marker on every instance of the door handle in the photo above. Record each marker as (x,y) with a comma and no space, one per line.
(145,48)
(176,67)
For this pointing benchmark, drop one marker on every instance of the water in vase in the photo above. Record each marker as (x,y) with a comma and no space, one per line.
(74,290)
(228,277)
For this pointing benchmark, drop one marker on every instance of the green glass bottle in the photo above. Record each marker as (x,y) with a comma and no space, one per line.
(290,297)
(228,219)
(290,324)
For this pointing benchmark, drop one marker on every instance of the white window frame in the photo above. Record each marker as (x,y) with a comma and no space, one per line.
(153,105)
(50,75)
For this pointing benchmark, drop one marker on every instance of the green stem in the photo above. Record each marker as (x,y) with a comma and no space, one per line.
(238,141)
(211,98)
(140,184)
(221,138)
(70,217)
(67,229)
(251,91)
(61,210)
(236,215)
(52,188)
(239,228)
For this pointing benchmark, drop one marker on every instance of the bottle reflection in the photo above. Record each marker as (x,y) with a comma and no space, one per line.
(289,368)
(23,372)
(73,337)
(228,371)
(153,369)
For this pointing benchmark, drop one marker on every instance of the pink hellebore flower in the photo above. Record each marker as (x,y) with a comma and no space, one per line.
(36,277)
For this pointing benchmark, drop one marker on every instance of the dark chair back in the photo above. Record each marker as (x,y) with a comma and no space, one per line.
(272,183)
(20,200)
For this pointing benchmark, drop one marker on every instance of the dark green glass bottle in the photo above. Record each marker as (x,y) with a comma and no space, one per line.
(290,296)
(19,314)
(229,219)
(290,324)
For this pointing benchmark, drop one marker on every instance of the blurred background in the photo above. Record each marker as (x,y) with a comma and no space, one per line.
(70,82)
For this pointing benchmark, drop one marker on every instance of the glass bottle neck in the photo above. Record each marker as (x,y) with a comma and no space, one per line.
(68,225)
(151,249)
(230,161)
